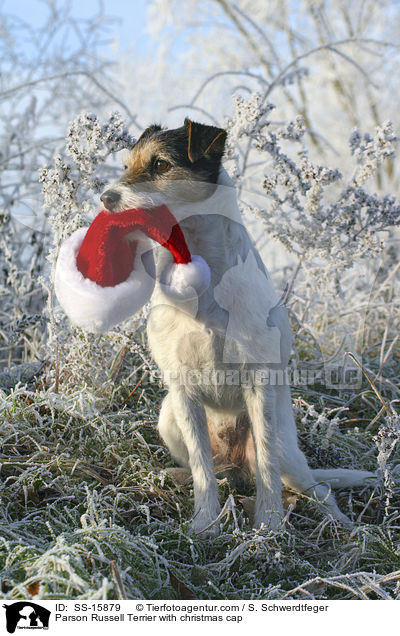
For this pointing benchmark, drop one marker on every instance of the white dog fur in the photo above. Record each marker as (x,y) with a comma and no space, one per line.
(238,321)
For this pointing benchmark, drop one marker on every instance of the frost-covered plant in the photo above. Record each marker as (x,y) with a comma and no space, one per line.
(71,189)
(332,62)
(387,439)
(299,210)
(48,74)
(70,186)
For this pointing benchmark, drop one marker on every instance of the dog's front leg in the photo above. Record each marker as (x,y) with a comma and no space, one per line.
(191,419)
(260,403)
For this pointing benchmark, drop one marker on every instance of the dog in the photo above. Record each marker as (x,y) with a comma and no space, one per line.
(224,355)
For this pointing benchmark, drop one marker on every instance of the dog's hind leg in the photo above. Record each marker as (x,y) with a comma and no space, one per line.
(171,434)
(261,411)
(190,418)
(296,473)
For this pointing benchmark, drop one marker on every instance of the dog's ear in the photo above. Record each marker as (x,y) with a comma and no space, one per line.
(204,141)
(149,132)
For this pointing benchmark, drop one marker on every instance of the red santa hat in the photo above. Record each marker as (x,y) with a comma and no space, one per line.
(105,273)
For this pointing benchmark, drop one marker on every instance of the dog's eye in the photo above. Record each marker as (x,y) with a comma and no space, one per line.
(161,165)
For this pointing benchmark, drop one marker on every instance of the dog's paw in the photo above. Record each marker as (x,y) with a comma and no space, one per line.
(181,476)
(343,520)
(208,533)
(269,520)
(205,527)
(347,523)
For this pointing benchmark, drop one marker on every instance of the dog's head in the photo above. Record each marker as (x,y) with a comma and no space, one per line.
(169,166)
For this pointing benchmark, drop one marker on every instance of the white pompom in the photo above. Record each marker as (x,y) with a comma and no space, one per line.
(185,281)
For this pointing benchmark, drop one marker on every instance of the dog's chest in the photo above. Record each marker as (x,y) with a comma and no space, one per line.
(191,354)
(229,325)
(232,324)
(177,339)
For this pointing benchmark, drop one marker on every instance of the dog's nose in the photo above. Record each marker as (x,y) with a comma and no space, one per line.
(110,199)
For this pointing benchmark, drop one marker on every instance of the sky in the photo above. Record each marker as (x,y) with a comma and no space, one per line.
(129,27)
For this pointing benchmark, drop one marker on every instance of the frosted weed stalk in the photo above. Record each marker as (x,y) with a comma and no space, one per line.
(300,212)
(69,191)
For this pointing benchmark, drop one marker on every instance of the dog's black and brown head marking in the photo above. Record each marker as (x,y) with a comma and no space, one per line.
(193,147)
(169,161)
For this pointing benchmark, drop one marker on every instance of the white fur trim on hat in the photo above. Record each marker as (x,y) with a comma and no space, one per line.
(95,308)
(185,281)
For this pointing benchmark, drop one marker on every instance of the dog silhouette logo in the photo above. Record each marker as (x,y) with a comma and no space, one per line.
(26,615)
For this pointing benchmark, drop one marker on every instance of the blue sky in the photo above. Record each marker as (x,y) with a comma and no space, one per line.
(130,27)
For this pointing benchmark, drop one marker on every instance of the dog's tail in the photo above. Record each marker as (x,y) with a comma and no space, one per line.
(344,478)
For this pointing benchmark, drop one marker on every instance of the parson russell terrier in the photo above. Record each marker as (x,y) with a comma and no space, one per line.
(223,356)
